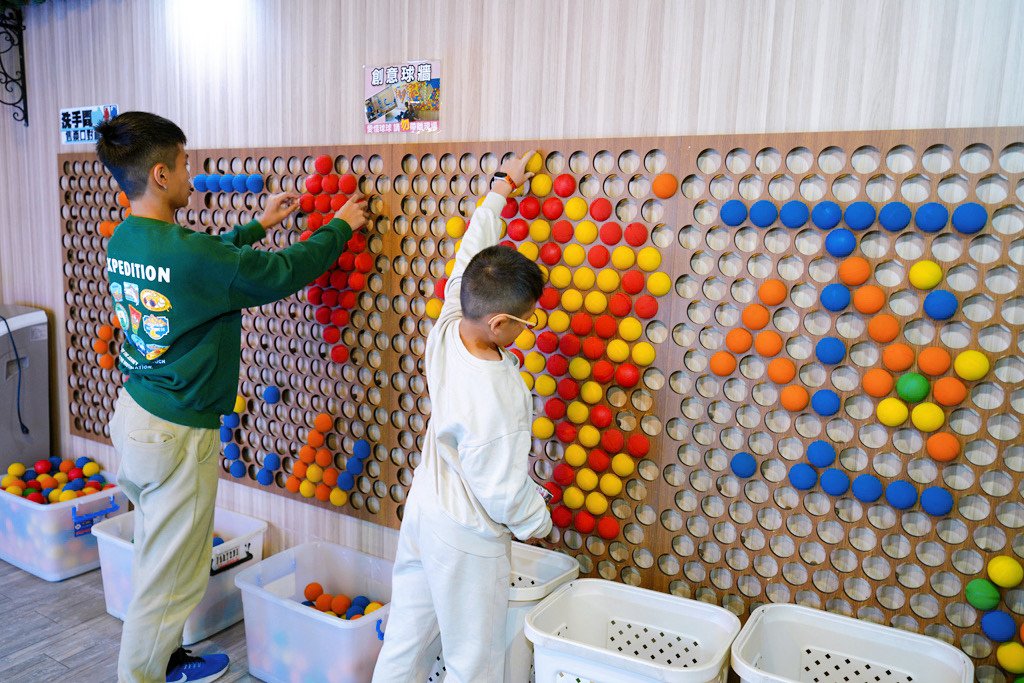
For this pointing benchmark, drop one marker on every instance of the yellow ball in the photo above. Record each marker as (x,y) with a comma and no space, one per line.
(534,361)
(449,267)
(623,258)
(8,480)
(572,300)
(586,479)
(597,504)
(643,354)
(542,317)
(925,274)
(540,185)
(617,350)
(558,321)
(1005,571)
(892,412)
(574,255)
(589,436)
(16,469)
(90,469)
(608,280)
(54,496)
(458,245)
(543,428)
(927,417)
(480,200)
(611,485)
(455,227)
(623,465)
(576,208)
(307,489)
(579,368)
(560,277)
(971,365)
(573,498)
(575,455)
(527,380)
(535,163)
(65,496)
(577,412)
(586,232)
(649,259)
(315,473)
(239,404)
(591,392)
(545,385)
(659,284)
(17,490)
(526,339)
(583,278)
(1011,657)
(544,274)
(434,307)
(529,250)
(630,329)
(338,497)
(504,228)
(372,607)
(540,231)
(61,477)
(595,302)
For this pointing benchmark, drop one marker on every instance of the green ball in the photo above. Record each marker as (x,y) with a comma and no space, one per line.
(982,594)
(912,387)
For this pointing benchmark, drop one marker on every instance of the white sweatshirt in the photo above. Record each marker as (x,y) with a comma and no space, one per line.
(475,460)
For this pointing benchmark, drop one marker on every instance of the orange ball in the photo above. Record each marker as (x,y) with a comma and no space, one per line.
(794,398)
(299,469)
(100,346)
(665,185)
(868,299)
(324,457)
(723,363)
(307,454)
(323,602)
(66,466)
(323,423)
(768,343)
(934,361)
(292,484)
(330,476)
(781,371)
(854,271)
(943,446)
(949,391)
(877,382)
(107,362)
(898,357)
(106,332)
(883,328)
(755,316)
(107,228)
(772,292)
(739,340)
(115,322)
(313,591)
(340,604)
(122,200)
(315,438)
(323,492)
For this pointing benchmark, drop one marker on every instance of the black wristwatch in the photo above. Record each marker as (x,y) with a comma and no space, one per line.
(503,176)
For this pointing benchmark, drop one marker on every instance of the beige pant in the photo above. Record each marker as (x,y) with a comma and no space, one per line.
(169,473)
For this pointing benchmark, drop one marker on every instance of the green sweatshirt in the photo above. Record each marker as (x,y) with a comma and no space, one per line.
(178,295)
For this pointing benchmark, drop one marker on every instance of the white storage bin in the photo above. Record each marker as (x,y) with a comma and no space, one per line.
(597,631)
(221,606)
(53,541)
(794,644)
(536,572)
(287,641)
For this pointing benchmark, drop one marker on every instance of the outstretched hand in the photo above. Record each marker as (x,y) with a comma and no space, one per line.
(279,207)
(515,169)
(355,212)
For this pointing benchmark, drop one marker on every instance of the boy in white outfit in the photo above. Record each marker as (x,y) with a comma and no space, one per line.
(472,487)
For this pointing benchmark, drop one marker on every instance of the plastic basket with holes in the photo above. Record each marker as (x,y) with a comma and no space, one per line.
(794,644)
(597,631)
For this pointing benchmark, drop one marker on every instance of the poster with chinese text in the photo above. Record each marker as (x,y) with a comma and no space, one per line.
(77,124)
(403,97)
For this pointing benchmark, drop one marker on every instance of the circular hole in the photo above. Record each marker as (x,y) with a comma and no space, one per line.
(976,158)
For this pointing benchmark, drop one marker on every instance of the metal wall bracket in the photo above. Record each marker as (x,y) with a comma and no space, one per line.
(12,62)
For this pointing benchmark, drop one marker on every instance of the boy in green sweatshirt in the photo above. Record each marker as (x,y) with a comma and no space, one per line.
(178,295)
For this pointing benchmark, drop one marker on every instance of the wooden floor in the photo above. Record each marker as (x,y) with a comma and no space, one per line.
(62,632)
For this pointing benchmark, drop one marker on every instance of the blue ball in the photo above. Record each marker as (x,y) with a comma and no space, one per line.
(794,214)
(763,213)
(825,402)
(238,469)
(232,452)
(826,215)
(830,350)
(238,183)
(821,453)
(82,462)
(199,182)
(231,420)
(227,183)
(802,476)
(354,611)
(998,626)
(835,482)
(901,494)
(272,462)
(55,462)
(265,477)
(213,183)
(840,243)
(936,501)
(360,601)
(254,183)
(98,479)
(362,449)
(970,218)
(894,216)
(354,466)
(859,215)
(867,488)
(743,465)
(271,395)
(217,540)
(733,212)
(226,434)
(835,297)
(346,481)
(931,217)
(308,603)
(940,304)
(76,485)
(46,493)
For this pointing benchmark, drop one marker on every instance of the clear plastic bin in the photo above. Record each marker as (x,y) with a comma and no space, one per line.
(794,644)
(287,641)
(221,606)
(597,631)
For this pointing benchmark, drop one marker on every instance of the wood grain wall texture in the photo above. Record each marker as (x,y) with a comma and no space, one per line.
(259,73)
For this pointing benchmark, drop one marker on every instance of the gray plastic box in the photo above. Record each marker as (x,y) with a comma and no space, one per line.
(28,328)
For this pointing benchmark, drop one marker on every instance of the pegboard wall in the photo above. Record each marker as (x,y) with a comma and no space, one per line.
(779,367)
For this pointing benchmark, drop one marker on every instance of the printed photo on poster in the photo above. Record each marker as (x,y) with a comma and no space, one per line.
(77,125)
(403,97)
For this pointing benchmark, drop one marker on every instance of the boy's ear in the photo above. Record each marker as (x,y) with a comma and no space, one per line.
(158,174)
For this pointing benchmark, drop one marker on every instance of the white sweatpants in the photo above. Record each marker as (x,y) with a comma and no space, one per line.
(446,577)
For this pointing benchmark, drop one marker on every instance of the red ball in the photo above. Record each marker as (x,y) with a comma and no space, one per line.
(507,243)
(600,209)
(550,298)
(605,326)
(638,445)
(633,282)
(552,208)
(627,375)
(600,416)
(647,307)
(510,209)
(620,304)
(564,185)
(339,353)
(322,315)
(561,516)
(611,233)
(322,203)
(568,389)
(75,473)
(330,298)
(332,334)
(36,497)
(338,201)
(563,474)
(554,408)
(306,234)
(518,354)
(339,279)
(518,229)
(340,317)
(562,231)
(582,323)
(357,243)
(330,183)
(324,280)
(34,484)
(42,466)
(599,256)
(356,281)
(612,441)
(314,184)
(547,341)
(364,262)
(556,492)
(569,345)
(584,522)
(593,348)
(566,432)
(550,253)
(314,221)
(347,300)
(557,365)
(607,528)
(439,288)
(603,371)
(347,183)
(307,203)
(529,208)
(636,234)
(598,460)
(347,261)
(323,164)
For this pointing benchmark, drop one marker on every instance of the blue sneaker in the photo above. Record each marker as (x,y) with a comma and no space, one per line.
(185,667)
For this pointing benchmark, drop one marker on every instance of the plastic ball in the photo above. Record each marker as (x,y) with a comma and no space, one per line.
(925,274)
(936,501)
(859,215)
(627,375)
(623,465)
(892,412)
(586,479)
(927,417)
(543,428)
(607,528)
(971,365)
(1011,657)
(610,485)
(830,350)
(969,218)
(265,477)
(722,363)
(1005,571)
(943,447)
(743,465)
(794,214)
(577,412)
(584,522)
(982,594)
(826,215)
(802,476)
(840,243)
(883,328)
(227,183)
(272,462)
(573,498)
(271,395)
(869,299)
(940,305)
(821,453)
(238,469)
(934,361)
(835,297)
(931,217)
(561,516)
(664,185)
(949,391)
(199,183)
(998,626)
(576,208)
(763,213)
(794,398)
(755,316)
(901,494)
(825,402)
(659,284)
(835,482)
(596,503)
(912,387)
(90,468)
(867,488)
(612,441)
(897,357)
(894,216)
(739,340)
(232,452)
(649,259)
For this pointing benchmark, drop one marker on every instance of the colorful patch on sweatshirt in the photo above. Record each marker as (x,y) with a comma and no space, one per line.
(154,300)
(137,342)
(136,318)
(153,351)
(116,291)
(156,326)
(122,316)
(131,292)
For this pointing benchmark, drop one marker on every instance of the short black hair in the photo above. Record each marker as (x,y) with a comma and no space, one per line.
(130,144)
(500,280)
